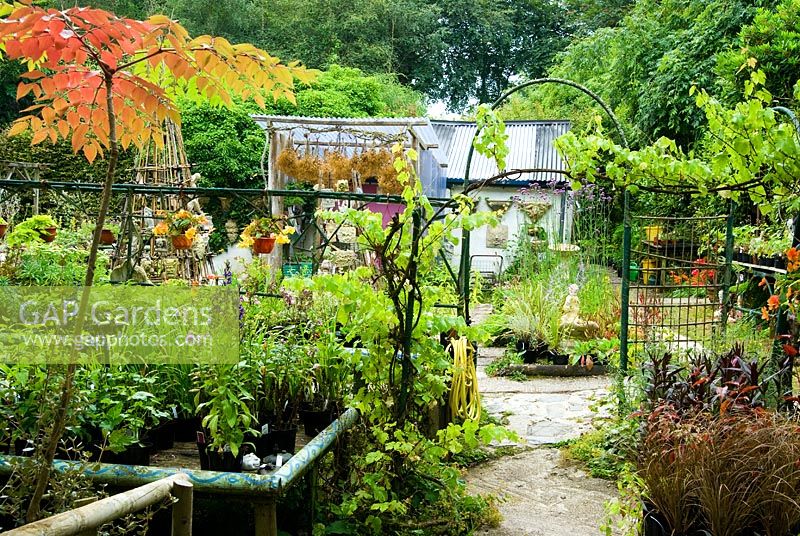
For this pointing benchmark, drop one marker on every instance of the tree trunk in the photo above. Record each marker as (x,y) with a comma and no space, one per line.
(59,424)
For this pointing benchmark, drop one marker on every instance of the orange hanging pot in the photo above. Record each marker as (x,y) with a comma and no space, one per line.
(181,242)
(263,245)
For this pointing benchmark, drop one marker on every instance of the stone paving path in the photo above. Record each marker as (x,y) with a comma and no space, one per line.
(541,494)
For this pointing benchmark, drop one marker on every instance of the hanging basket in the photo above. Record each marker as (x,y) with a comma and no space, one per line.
(107,237)
(48,234)
(3,229)
(181,242)
(263,245)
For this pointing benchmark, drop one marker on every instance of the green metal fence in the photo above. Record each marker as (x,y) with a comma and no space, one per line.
(676,287)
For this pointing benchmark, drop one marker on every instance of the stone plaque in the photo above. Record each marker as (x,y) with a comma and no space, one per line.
(497,237)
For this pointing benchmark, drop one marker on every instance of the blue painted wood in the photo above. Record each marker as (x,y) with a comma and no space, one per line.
(209,481)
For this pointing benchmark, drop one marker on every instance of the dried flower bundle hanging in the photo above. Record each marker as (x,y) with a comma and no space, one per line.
(388,182)
(338,166)
(370,163)
(287,162)
(309,167)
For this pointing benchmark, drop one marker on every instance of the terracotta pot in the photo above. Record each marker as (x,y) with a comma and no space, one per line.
(107,237)
(181,242)
(3,229)
(48,234)
(263,245)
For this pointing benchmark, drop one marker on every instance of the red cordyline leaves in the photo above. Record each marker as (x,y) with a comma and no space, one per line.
(75,54)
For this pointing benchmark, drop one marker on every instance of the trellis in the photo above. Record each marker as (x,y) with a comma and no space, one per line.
(28,171)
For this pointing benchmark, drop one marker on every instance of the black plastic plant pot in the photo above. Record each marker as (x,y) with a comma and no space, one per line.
(186,428)
(560,359)
(163,437)
(212,460)
(315,421)
(654,523)
(280,440)
(529,355)
(224,461)
(134,455)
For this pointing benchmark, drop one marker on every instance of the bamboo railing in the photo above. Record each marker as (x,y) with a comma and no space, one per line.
(85,521)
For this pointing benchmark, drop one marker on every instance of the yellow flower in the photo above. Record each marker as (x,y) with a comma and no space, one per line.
(161,229)
(282,239)
(190,233)
(183,214)
(246,242)
(289,230)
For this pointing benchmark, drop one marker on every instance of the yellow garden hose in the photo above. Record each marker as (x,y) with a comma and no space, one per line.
(465,401)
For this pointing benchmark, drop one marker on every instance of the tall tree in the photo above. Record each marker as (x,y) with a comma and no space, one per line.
(489,42)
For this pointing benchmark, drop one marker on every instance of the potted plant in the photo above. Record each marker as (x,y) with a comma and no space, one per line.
(324,393)
(224,401)
(284,375)
(263,233)
(127,404)
(41,225)
(3,227)
(109,233)
(181,226)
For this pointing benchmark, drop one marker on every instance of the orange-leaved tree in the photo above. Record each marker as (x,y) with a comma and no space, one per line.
(103,81)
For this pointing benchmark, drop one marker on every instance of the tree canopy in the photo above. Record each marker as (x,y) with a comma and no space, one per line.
(644,66)
(452,50)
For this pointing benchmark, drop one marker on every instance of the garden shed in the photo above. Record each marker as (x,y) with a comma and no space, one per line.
(350,136)
(347,156)
(531,200)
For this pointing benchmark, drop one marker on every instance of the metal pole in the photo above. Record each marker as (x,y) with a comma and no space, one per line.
(727,280)
(465,236)
(626,287)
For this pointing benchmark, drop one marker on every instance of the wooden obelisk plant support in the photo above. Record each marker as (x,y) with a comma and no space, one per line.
(90,73)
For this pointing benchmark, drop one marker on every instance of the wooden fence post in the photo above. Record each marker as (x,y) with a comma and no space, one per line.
(266,518)
(182,490)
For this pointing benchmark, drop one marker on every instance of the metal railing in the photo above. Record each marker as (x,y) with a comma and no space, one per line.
(264,489)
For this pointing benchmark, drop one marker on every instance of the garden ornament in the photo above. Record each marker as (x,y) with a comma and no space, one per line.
(251,462)
(571,322)
(232,231)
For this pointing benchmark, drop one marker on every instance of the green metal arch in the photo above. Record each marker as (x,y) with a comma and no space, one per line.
(463,272)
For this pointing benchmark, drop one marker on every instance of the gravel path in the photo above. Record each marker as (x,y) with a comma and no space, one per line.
(541,494)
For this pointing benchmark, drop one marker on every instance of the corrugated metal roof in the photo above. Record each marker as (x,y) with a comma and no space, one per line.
(530,145)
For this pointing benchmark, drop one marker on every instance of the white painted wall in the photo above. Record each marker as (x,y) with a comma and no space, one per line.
(516,220)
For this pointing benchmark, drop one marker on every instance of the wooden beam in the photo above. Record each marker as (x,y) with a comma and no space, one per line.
(335,121)
(556,370)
